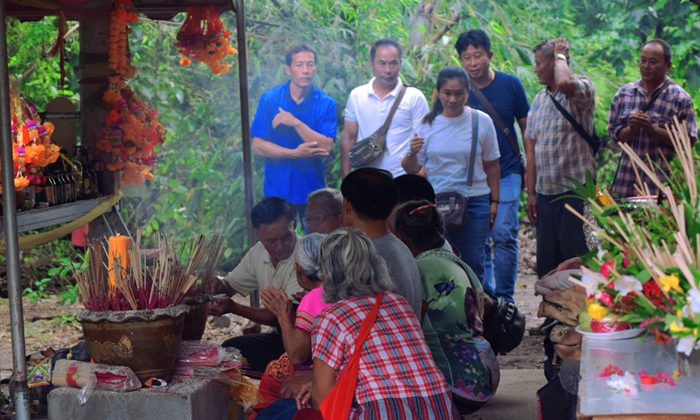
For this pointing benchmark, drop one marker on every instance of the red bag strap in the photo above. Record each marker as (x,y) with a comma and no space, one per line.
(367,327)
(337,404)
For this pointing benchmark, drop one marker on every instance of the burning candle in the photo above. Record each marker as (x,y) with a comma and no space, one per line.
(118,251)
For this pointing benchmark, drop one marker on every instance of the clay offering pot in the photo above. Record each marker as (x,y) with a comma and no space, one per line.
(144,340)
(196,319)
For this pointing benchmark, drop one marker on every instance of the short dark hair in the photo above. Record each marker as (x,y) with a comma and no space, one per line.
(372,192)
(289,56)
(414,187)
(668,52)
(547,48)
(384,42)
(476,38)
(269,210)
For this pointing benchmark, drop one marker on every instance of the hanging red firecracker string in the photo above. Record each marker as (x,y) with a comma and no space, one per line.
(123,15)
(131,134)
(204,39)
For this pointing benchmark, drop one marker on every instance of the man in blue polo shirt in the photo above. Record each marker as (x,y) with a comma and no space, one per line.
(294,130)
(507,96)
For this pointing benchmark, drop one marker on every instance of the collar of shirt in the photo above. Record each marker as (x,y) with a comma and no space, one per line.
(392,94)
(307,102)
(265,256)
(637,85)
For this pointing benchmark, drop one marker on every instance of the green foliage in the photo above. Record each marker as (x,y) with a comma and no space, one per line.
(39,290)
(199,186)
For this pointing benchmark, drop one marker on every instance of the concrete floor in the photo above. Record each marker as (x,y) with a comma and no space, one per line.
(515,398)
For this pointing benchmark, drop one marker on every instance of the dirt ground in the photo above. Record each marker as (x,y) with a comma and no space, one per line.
(47,323)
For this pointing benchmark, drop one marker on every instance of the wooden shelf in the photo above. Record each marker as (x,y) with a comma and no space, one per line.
(57,215)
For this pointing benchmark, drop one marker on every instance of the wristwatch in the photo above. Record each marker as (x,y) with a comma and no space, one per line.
(561,56)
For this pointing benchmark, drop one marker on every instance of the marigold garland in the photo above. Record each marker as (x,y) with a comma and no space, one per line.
(131,134)
(204,39)
(122,16)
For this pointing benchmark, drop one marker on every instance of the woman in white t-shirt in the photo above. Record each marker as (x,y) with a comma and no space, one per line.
(442,147)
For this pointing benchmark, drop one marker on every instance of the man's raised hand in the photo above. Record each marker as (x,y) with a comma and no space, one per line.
(285,118)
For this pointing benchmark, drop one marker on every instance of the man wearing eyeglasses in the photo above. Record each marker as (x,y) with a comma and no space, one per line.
(294,130)
(324,211)
(269,263)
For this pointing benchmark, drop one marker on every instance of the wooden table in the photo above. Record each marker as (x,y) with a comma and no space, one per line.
(653,402)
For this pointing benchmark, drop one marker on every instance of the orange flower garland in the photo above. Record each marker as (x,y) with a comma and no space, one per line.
(132,133)
(204,39)
(119,55)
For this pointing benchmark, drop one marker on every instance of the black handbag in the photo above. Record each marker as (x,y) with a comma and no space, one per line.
(452,205)
(369,149)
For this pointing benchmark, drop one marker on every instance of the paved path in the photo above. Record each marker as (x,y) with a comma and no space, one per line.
(515,398)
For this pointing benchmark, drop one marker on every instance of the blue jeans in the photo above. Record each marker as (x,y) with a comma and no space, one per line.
(502,250)
(471,238)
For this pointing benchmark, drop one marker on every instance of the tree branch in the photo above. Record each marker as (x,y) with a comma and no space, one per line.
(449,25)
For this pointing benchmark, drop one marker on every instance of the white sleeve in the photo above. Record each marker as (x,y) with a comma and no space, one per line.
(419,109)
(350,107)
(488,139)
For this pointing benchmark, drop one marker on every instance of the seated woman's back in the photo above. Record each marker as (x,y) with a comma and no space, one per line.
(453,300)
(395,361)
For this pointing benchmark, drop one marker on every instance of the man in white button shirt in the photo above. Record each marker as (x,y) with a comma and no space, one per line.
(369,105)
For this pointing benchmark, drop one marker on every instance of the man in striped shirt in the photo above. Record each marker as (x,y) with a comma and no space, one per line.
(641,111)
(556,155)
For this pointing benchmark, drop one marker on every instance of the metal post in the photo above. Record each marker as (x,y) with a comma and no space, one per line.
(20,392)
(245,124)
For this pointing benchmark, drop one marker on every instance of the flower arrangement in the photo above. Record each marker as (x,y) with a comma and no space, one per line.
(646,273)
(131,134)
(128,282)
(31,141)
(204,39)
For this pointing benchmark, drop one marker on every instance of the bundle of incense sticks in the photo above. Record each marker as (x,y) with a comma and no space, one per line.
(131,280)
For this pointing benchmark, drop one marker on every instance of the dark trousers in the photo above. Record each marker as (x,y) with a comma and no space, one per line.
(559,232)
(258,349)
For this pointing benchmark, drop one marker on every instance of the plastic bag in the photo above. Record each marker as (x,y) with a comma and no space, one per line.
(198,354)
(75,374)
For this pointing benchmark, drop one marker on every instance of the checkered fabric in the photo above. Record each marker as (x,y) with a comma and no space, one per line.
(396,363)
(673,100)
(561,153)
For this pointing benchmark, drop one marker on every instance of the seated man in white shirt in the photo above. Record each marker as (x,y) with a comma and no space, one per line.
(369,106)
(269,263)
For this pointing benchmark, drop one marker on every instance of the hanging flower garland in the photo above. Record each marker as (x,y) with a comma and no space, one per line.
(132,130)
(132,133)
(204,39)
(122,16)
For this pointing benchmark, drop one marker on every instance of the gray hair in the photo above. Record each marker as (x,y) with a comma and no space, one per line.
(332,197)
(351,266)
(309,254)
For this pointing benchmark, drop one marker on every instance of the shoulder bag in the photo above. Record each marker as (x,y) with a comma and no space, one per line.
(369,149)
(452,205)
(592,139)
(337,405)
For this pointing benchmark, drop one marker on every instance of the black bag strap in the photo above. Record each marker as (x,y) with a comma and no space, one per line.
(475,140)
(385,128)
(510,135)
(578,127)
(655,95)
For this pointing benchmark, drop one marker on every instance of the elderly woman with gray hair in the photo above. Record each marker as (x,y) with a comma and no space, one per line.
(284,376)
(398,378)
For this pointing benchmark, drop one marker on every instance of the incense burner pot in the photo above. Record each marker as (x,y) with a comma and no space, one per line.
(196,320)
(144,340)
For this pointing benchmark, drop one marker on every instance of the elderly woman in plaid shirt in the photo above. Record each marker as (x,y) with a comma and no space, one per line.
(398,378)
